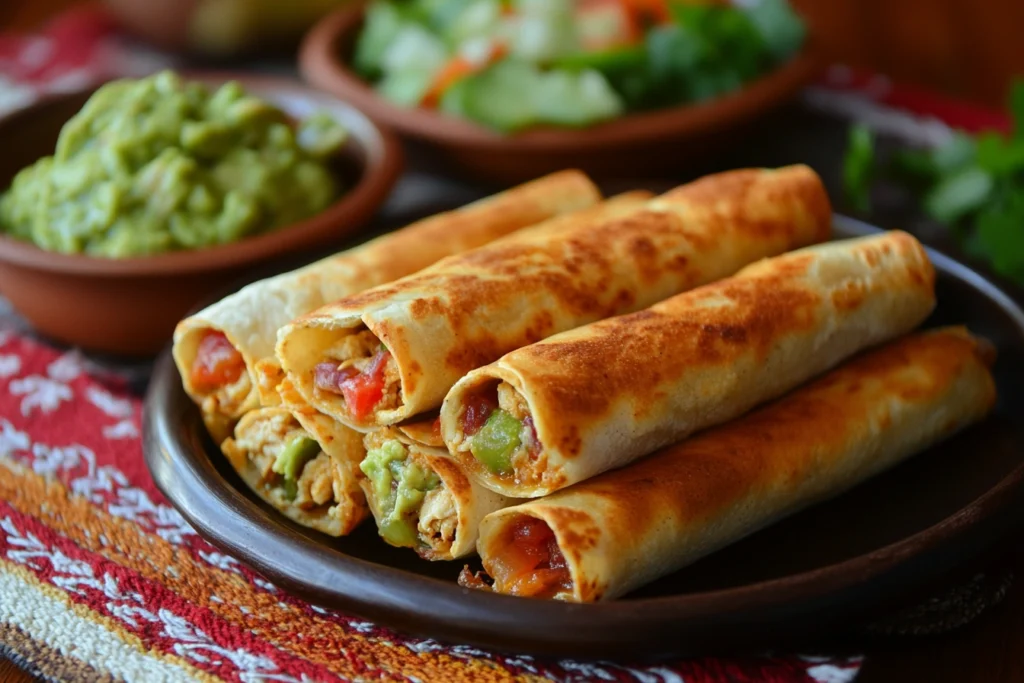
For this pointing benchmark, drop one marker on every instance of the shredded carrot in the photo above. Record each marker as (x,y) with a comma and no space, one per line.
(455,70)
(648,9)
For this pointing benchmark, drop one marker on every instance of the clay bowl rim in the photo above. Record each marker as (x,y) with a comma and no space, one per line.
(321,63)
(379,173)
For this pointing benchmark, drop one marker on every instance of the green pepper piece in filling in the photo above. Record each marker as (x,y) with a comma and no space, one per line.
(399,487)
(290,461)
(496,441)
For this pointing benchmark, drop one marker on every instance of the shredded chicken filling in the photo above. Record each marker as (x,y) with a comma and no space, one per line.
(438,519)
(289,462)
(228,398)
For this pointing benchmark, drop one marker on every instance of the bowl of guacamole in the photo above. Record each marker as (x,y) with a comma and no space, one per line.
(123,205)
(164,164)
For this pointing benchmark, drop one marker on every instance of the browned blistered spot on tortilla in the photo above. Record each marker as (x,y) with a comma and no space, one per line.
(569,442)
(645,254)
(851,296)
(540,326)
(679,262)
(423,307)
(624,300)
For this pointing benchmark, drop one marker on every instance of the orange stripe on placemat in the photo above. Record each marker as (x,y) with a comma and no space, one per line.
(229,595)
(46,614)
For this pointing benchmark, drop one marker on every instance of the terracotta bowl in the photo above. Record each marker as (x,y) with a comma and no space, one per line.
(130,306)
(644,144)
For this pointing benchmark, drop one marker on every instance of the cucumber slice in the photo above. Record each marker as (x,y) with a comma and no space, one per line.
(480,19)
(414,48)
(512,95)
(407,87)
(576,99)
(383,23)
(502,96)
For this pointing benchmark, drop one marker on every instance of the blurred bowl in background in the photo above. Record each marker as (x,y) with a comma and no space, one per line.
(641,144)
(130,306)
(220,28)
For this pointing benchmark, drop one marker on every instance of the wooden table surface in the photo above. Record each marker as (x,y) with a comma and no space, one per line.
(989,650)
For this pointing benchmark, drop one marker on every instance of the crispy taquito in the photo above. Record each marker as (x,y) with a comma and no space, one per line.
(562,410)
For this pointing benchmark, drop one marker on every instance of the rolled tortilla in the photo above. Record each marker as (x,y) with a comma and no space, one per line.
(598,397)
(319,488)
(382,356)
(242,327)
(419,495)
(605,537)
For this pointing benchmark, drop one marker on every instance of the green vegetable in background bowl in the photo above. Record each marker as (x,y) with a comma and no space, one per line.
(160,164)
(514,64)
(973,184)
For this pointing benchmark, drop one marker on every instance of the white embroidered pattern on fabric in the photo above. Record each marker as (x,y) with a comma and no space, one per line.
(76,576)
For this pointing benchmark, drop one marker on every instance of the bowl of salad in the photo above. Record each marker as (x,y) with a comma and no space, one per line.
(510,89)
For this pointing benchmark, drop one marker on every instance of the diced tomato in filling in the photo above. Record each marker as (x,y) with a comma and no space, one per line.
(362,390)
(459,68)
(478,408)
(217,363)
(435,428)
(533,443)
(533,565)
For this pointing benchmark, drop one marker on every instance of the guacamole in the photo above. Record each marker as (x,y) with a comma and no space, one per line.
(160,164)
(399,487)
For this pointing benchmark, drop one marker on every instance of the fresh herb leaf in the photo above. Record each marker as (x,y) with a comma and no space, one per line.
(1000,156)
(1000,234)
(973,185)
(779,26)
(959,194)
(957,153)
(914,167)
(1017,108)
(858,166)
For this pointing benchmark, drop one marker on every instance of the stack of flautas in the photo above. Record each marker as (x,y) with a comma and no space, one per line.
(589,393)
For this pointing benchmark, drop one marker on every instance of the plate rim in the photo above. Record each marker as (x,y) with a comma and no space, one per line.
(401,599)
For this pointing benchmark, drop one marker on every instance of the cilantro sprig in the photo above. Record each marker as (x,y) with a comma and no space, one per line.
(973,184)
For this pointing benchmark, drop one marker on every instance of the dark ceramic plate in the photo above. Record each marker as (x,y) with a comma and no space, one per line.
(848,559)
